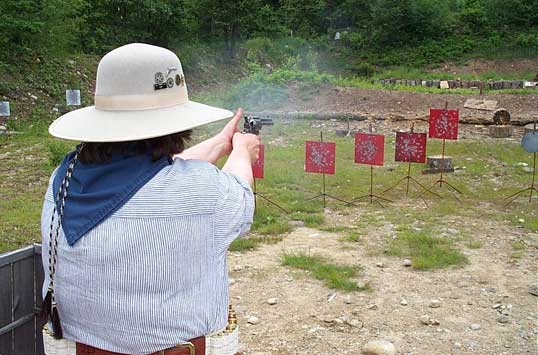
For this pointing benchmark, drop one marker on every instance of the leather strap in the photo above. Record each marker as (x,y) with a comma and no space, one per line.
(199,346)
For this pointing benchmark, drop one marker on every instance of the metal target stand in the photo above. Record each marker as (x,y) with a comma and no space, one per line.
(257,194)
(441,181)
(408,179)
(323,193)
(371,196)
(530,189)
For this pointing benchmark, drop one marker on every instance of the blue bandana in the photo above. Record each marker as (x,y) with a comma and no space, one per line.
(98,190)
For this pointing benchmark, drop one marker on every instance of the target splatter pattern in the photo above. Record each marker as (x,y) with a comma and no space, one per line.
(411,147)
(444,123)
(369,148)
(320,157)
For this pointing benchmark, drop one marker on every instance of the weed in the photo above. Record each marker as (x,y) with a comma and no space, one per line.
(424,251)
(310,220)
(252,243)
(517,245)
(352,237)
(474,244)
(334,276)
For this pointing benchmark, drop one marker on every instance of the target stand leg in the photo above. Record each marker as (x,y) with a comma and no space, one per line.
(408,179)
(371,196)
(257,194)
(441,180)
(532,188)
(324,195)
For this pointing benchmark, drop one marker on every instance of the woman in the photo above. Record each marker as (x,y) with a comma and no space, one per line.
(135,229)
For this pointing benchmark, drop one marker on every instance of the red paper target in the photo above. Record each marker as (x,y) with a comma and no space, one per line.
(320,157)
(411,147)
(259,164)
(444,123)
(369,148)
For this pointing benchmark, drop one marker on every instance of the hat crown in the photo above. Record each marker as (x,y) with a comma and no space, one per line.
(140,70)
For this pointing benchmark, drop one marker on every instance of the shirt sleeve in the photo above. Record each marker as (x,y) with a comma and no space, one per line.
(234,210)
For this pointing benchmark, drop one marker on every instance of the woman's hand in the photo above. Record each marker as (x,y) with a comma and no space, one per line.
(225,137)
(249,142)
(216,147)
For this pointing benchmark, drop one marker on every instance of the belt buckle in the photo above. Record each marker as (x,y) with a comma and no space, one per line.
(188,345)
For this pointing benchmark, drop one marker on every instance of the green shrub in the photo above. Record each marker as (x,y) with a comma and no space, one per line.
(363,69)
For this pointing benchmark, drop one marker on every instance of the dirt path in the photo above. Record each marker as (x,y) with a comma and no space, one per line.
(388,104)
(309,319)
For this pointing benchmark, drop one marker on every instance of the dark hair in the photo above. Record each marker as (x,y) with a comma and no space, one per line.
(97,153)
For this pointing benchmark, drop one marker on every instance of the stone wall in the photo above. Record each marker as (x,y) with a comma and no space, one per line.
(466,84)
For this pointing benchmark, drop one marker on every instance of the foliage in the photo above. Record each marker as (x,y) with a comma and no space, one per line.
(282,33)
(426,252)
(334,276)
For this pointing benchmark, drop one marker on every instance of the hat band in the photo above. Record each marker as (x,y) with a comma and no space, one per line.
(139,102)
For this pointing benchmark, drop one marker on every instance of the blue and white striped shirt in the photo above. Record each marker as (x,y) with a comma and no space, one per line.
(154,273)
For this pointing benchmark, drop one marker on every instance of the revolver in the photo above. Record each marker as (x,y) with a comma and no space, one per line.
(254,124)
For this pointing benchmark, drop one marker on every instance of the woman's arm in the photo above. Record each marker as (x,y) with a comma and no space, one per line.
(245,150)
(214,148)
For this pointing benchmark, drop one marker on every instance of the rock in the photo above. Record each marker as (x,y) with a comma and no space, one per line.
(434,322)
(503,319)
(404,302)
(533,290)
(238,268)
(425,320)
(444,85)
(497,305)
(407,263)
(272,301)
(339,321)
(452,231)
(231,281)
(253,320)
(331,297)
(372,306)
(380,265)
(475,326)
(354,323)
(435,304)
(348,300)
(296,223)
(379,347)
(361,285)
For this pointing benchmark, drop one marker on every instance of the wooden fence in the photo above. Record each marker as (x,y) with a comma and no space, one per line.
(21,280)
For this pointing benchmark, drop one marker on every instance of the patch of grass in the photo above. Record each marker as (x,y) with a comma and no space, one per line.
(269,222)
(333,228)
(57,151)
(334,276)
(252,243)
(517,245)
(243,244)
(474,244)
(426,252)
(310,220)
(352,237)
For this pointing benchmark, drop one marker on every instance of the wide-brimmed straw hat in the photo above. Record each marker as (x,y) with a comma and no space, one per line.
(140,93)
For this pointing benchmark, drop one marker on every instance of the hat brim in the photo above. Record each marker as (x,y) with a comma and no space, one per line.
(93,125)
